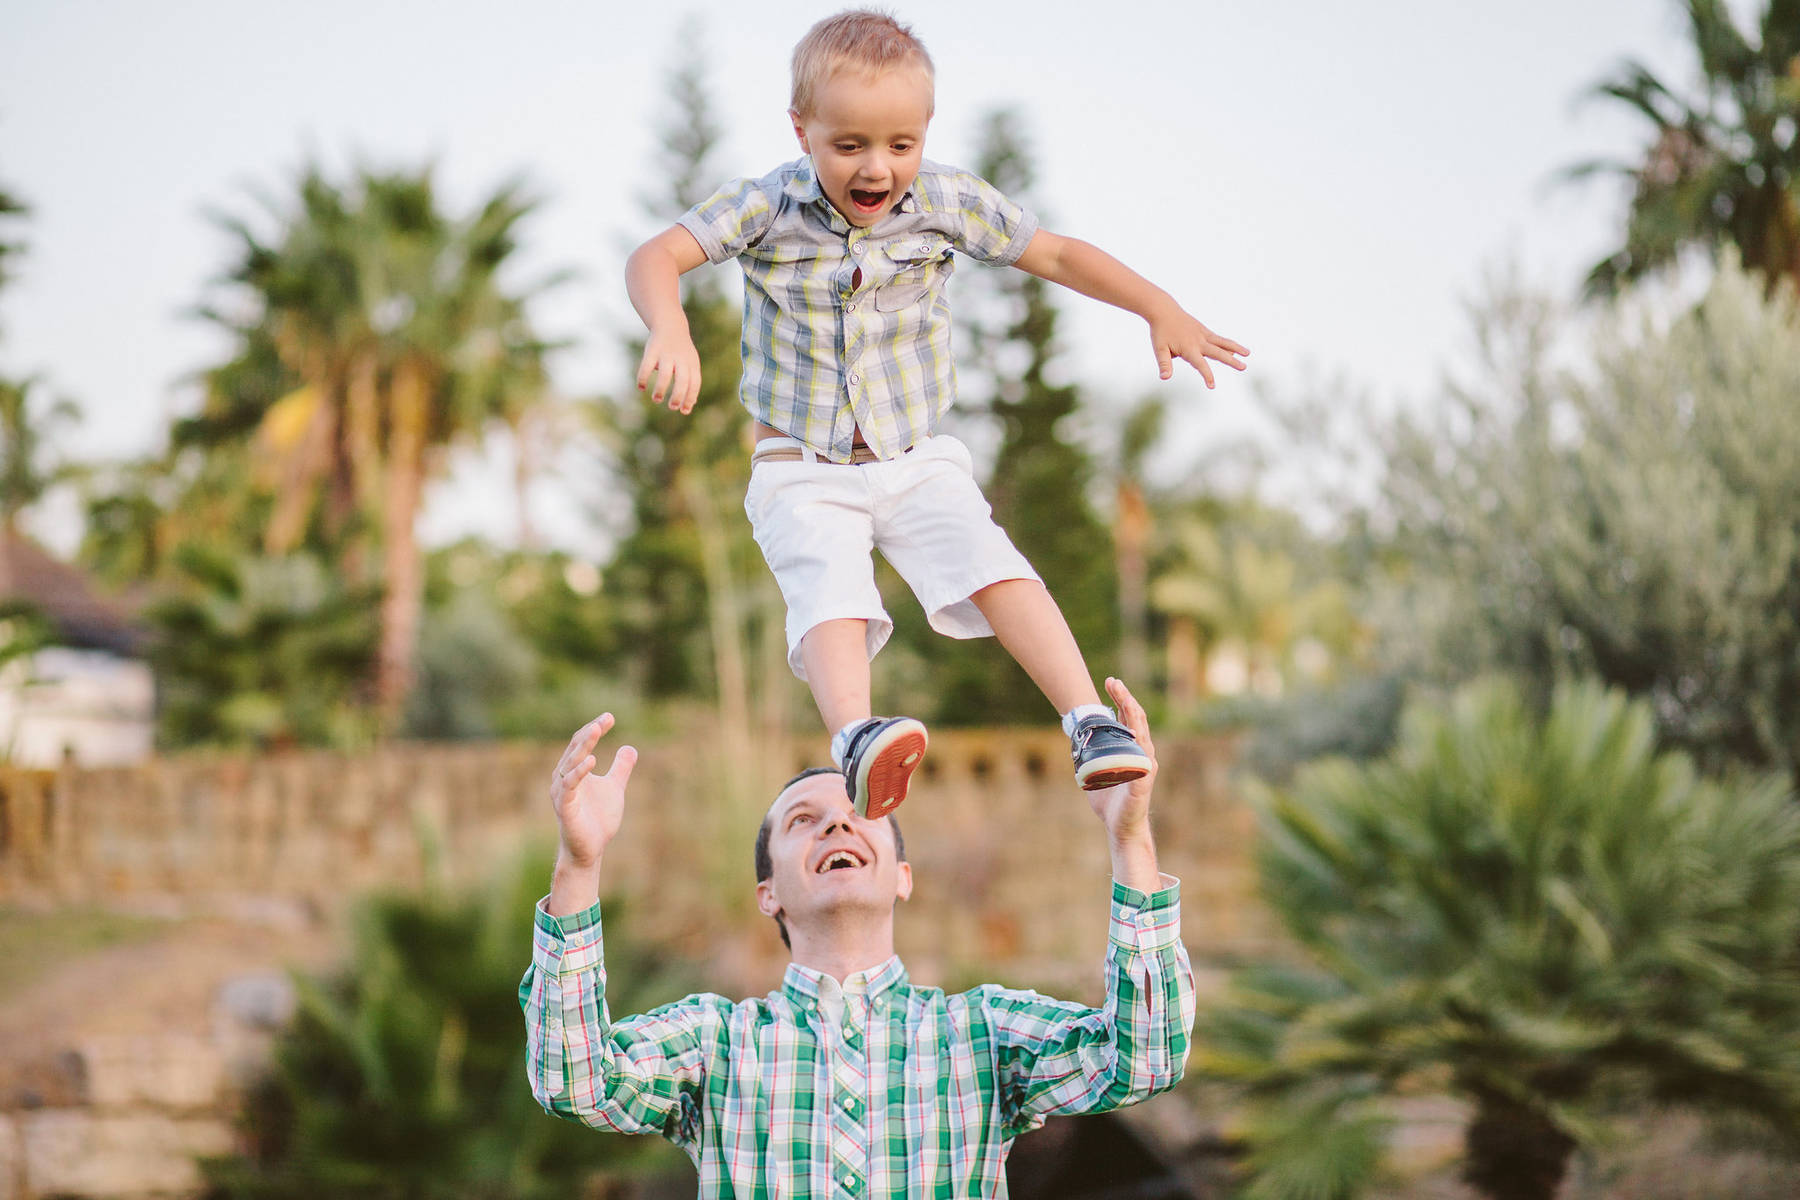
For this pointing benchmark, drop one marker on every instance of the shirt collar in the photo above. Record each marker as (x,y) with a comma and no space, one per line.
(804,187)
(802,984)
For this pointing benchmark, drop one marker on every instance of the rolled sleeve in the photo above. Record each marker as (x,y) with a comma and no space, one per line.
(991,227)
(731,220)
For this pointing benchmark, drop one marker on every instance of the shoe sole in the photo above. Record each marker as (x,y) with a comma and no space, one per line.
(1111,771)
(887,768)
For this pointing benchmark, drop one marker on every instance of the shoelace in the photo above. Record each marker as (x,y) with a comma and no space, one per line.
(1085,733)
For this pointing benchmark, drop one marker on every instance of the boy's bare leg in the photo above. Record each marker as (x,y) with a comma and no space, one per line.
(836,657)
(1031,627)
(877,757)
(1028,623)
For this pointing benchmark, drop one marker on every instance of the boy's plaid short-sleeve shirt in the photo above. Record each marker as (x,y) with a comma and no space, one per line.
(848,327)
(876,1088)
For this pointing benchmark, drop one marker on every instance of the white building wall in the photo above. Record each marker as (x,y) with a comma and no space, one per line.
(96,706)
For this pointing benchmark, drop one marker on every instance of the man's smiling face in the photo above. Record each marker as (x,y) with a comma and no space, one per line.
(826,862)
(866,135)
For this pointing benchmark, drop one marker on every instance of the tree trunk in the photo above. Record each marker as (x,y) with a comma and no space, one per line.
(527,439)
(1513,1151)
(402,576)
(300,470)
(1131,536)
(723,616)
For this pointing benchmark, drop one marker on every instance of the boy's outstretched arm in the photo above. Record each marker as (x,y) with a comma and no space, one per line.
(1174,333)
(653,281)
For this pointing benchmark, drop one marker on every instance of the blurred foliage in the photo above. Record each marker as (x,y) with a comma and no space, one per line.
(684,475)
(1723,165)
(403,1078)
(11,208)
(510,645)
(1543,917)
(1356,717)
(390,318)
(262,650)
(28,464)
(1634,517)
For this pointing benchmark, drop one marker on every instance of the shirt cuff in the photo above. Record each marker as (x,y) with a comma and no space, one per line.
(567,944)
(1146,920)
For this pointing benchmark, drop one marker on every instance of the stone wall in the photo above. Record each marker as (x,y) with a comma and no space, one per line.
(1010,867)
(1010,861)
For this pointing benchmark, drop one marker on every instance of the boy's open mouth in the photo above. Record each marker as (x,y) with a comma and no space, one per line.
(868,202)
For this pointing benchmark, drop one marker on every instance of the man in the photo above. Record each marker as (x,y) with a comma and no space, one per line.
(849,1081)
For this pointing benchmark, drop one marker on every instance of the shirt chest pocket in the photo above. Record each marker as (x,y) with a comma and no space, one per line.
(916,263)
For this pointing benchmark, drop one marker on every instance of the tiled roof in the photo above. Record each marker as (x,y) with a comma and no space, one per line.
(64,596)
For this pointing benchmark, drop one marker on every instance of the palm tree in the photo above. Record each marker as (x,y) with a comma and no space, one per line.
(389,318)
(1723,164)
(24,439)
(1221,587)
(260,650)
(10,206)
(1538,916)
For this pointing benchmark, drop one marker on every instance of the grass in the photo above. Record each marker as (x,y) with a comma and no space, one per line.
(34,942)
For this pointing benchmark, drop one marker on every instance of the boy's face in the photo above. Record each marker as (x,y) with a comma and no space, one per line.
(866,135)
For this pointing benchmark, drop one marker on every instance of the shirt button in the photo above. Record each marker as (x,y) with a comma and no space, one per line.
(855,378)
(849,1181)
(849,1104)
(850,307)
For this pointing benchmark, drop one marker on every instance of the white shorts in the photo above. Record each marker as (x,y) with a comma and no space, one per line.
(817,522)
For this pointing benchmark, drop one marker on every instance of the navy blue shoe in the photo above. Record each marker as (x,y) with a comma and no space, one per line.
(879,761)
(1105,753)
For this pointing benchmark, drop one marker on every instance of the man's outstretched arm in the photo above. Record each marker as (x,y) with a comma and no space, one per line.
(1064,1058)
(634,1075)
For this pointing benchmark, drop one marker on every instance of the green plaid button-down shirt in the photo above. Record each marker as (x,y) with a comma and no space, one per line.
(826,351)
(881,1089)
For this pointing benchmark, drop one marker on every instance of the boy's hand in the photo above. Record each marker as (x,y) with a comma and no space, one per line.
(673,365)
(1175,334)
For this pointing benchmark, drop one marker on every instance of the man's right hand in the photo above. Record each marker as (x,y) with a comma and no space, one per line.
(589,807)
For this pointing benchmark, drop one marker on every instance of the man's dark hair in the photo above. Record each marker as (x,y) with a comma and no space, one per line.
(765,866)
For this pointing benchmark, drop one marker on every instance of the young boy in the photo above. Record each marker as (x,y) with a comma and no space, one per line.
(847,371)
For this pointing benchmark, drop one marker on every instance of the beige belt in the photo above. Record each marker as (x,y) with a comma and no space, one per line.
(782,449)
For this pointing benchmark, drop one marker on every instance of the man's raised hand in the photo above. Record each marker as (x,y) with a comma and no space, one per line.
(589,807)
(1126,808)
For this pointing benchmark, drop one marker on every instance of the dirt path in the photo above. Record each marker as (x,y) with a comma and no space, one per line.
(165,983)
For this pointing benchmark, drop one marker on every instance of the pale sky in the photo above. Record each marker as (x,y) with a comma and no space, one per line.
(1325,182)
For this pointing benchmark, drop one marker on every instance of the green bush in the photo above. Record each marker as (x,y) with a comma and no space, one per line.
(403,1078)
(1543,918)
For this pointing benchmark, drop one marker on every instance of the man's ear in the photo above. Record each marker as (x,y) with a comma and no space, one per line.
(903,882)
(766,902)
(799,130)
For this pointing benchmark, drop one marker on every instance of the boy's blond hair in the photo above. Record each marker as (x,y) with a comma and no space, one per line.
(860,37)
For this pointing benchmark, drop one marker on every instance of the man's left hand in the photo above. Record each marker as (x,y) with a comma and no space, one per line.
(1126,808)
